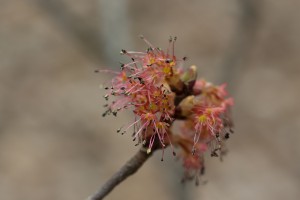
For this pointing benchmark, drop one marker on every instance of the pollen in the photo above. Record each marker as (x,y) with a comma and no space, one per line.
(149,116)
(124,77)
(167,70)
(202,118)
(153,107)
(152,60)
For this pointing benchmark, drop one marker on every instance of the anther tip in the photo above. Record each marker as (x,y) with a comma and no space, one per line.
(148,151)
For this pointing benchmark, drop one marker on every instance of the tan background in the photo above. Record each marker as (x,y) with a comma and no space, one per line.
(54,144)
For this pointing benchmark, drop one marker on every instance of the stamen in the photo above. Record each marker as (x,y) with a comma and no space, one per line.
(173,46)
(163,152)
(123,51)
(147,42)
(226,136)
(106,97)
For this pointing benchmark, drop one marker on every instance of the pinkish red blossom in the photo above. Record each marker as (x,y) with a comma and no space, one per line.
(158,90)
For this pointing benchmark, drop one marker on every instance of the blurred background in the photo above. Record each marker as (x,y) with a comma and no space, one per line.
(54,144)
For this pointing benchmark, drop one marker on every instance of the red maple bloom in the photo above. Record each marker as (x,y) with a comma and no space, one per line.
(159,91)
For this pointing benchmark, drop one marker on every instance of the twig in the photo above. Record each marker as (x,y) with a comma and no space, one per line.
(141,156)
(128,169)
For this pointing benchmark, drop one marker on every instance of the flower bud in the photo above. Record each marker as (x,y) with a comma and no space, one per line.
(175,83)
(186,106)
(189,75)
(199,86)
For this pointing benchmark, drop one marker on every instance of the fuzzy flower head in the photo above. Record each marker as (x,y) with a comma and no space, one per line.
(159,90)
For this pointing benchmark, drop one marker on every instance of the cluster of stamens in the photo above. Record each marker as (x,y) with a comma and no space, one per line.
(155,85)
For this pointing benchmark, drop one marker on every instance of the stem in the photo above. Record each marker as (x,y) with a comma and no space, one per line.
(128,169)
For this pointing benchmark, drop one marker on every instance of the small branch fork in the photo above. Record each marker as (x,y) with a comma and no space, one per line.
(128,169)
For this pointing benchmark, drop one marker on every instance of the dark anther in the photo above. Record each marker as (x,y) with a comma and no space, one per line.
(115,113)
(184,58)
(96,70)
(202,171)
(193,151)
(106,88)
(134,139)
(174,153)
(132,59)
(168,60)
(217,134)
(231,131)
(122,66)
(175,38)
(123,51)
(226,136)
(106,97)
(136,144)
(122,88)
(161,159)
(118,131)
(141,80)
(214,154)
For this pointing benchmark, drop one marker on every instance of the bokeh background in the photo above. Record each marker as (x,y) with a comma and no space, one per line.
(54,144)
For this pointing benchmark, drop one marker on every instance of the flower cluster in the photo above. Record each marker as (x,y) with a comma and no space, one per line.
(159,90)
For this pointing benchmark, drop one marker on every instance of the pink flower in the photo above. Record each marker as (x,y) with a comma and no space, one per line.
(159,91)
(142,86)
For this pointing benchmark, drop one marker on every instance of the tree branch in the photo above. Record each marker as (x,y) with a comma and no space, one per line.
(128,169)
